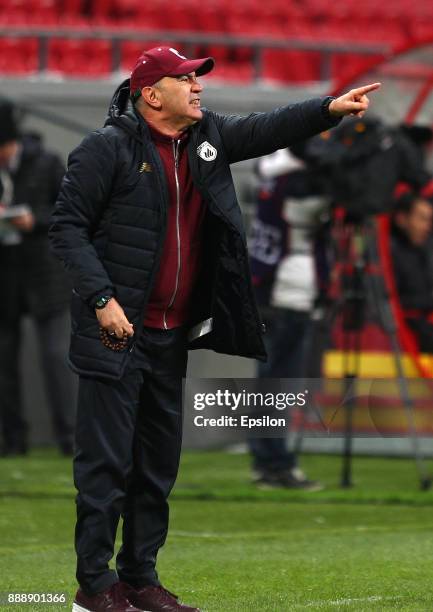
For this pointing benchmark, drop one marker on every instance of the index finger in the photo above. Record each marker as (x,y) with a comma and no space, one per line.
(366,88)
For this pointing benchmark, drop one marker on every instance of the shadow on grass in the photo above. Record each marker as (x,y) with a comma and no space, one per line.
(36,495)
(250,494)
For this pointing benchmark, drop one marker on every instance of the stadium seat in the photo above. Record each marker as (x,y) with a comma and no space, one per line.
(349,63)
(80,58)
(18,56)
(130,50)
(420,29)
(208,18)
(179,17)
(44,13)
(125,12)
(244,55)
(233,72)
(102,10)
(15,12)
(220,53)
(291,66)
(148,16)
(72,7)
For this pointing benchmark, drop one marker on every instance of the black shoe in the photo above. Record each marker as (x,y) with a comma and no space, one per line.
(286,479)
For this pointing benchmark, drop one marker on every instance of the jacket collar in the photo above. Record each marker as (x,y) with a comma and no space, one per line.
(157,136)
(121,112)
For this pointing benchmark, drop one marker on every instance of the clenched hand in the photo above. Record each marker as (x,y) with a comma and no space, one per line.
(355,102)
(113,319)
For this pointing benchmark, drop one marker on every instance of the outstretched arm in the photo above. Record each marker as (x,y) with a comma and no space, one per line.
(263,133)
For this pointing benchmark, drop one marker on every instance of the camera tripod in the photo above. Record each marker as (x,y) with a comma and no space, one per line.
(362,286)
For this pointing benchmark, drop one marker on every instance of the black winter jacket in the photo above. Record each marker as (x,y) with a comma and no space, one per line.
(413,272)
(31,279)
(110,221)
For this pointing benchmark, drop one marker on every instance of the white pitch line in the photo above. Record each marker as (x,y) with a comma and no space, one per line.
(215,534)
(330,531)
(347,602)
(204,534)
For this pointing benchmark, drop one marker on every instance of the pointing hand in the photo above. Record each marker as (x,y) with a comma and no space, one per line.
(355,102)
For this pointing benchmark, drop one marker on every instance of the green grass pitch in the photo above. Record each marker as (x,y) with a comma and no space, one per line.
(232,548)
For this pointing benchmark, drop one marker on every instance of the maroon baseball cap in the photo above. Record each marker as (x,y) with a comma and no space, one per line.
(159,62)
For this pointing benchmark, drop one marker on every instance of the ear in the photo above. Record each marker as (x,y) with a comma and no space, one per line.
(151,96)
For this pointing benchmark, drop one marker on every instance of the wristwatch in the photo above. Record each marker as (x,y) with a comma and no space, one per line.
(334,120)
(102,301)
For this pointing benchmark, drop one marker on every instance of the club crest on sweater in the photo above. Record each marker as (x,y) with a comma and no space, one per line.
(206,151)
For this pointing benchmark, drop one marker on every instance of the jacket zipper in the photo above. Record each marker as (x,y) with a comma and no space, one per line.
(176,286)
(163,210)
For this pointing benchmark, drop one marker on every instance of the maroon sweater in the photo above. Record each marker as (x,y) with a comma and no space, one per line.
(170,300)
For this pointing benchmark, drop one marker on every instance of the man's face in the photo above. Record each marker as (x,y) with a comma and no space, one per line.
(7,152)
(180,99)
(418,222)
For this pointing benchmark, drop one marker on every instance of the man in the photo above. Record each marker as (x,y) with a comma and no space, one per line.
(290,203)
(148,225)
(411,248)
(32,282)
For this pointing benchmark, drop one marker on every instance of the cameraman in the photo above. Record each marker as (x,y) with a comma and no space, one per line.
(412,254)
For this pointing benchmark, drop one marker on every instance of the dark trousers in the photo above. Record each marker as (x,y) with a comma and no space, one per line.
(286,341)
(52,337)
(128,441)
